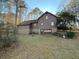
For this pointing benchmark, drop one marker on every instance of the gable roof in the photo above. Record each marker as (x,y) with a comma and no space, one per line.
(47,13)
(35,21)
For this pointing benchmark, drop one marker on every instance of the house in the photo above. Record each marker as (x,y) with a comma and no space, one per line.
(46,23)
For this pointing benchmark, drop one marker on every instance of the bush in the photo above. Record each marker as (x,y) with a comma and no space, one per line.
(70,35)
(4,43)
(7,35)
(7,42)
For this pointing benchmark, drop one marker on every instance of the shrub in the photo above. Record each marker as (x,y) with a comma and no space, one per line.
(70,35)
(4,43)
(7,42)
(7,35)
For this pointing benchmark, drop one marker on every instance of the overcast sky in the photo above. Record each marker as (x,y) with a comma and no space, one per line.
(45,5)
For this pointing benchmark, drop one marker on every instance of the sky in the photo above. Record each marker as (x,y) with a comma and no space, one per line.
(44,5)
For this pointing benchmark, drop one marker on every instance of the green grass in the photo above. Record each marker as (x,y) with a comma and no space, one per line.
(44,47)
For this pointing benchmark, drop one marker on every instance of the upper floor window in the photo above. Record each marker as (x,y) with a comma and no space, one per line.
(41,23)
(52,23)
(46,17)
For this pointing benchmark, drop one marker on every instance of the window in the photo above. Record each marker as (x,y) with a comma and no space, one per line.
(46,17)
(61,22)
(52,23)
(34,24)
(41,23)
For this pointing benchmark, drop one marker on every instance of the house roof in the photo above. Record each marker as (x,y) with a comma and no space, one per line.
(34,21)
(47,13)
(27,22)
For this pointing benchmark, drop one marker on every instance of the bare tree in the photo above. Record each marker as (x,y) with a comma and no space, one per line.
(35,13)
(22,9)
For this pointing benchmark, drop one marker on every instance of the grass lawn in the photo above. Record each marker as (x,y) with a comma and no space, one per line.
(44,47)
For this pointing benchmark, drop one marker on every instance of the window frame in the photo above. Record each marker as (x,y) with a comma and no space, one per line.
(52,23)
(47,17)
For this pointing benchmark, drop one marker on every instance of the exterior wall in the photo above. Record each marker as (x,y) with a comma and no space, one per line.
(35,27)
(44,23)
(23,29)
